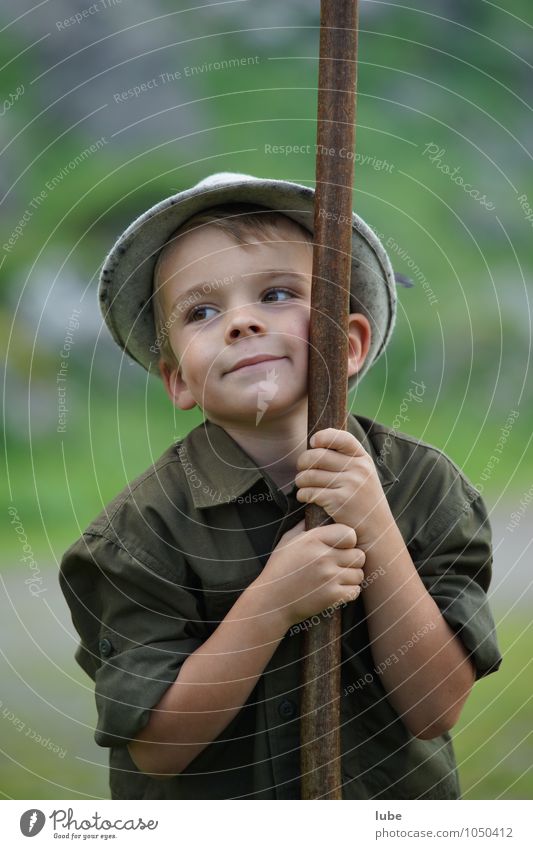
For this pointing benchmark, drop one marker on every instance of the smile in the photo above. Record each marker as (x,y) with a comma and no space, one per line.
(254,363)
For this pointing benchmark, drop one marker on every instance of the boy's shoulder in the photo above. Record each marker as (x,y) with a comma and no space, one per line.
(404,455)
(424,486)
(157,488)
(205,468)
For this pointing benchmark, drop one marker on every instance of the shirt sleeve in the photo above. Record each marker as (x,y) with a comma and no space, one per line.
(456,568)
(138,621)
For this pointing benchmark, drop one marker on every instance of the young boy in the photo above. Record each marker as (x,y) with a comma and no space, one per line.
(192,589)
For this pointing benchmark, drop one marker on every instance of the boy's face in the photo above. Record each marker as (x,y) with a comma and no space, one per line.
(228,303)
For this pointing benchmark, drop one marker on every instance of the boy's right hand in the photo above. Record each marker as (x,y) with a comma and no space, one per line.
(309,571)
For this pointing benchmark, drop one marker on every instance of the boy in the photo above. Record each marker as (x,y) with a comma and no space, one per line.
(192,589)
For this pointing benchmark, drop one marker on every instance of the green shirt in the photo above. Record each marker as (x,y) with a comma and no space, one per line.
(156,571)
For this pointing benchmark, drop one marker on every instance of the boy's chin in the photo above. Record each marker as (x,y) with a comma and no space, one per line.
(257,414)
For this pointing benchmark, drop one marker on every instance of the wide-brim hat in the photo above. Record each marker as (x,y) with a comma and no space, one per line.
(126,280)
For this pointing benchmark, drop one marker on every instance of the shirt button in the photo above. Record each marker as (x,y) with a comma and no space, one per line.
(286,709)
(106,647)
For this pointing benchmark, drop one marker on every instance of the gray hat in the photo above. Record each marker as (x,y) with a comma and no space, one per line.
(126,281)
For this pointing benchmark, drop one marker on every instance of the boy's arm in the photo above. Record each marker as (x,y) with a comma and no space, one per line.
(215,680)
(424,665)
(211,688)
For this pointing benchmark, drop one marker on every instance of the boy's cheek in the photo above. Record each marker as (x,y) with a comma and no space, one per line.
(300,324)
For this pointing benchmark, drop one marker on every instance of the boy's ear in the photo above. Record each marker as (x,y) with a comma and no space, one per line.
(175,387)
(359,338)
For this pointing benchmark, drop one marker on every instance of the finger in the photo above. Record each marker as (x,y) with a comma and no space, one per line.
(310,495)
(351,559)
(337,535)
(340,440)
(352,578)
(322,497)
(317,477)
(323,458)
(352,594)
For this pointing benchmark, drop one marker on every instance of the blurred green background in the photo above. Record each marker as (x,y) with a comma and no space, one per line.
(166,96)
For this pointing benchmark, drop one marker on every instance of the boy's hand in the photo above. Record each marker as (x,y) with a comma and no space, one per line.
(339,475)
(309,571)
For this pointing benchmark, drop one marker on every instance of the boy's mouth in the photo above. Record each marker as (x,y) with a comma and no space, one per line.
(253,361)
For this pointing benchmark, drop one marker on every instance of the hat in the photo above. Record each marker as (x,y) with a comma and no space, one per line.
(126,280)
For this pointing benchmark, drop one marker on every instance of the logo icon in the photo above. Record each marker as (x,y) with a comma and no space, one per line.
(32,822)
(267,390)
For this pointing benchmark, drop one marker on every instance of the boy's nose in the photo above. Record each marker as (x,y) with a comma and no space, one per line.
(243,323)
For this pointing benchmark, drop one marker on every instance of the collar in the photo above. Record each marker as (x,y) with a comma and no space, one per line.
(218,470)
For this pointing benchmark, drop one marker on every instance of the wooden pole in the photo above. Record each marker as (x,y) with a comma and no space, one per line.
(328,356)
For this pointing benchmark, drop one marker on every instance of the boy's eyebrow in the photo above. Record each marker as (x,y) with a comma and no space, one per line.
(214,285)
(273,272)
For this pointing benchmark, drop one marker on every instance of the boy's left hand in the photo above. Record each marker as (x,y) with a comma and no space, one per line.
(339,475)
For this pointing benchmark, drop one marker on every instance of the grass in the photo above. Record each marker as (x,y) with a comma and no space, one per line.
(494,739)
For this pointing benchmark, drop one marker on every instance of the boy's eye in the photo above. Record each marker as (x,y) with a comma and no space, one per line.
(199,313)
(277,291)
(274,295)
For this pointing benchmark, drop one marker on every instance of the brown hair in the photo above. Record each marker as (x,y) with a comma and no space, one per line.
(241,222)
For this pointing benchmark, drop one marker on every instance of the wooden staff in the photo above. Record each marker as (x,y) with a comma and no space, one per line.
(328,360)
